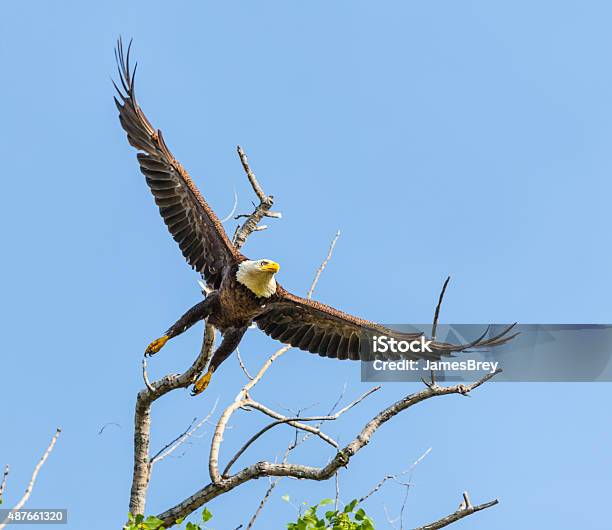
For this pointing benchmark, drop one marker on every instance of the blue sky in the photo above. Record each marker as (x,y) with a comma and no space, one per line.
(466,138)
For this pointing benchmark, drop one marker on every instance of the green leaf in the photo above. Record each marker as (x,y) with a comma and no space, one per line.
(285,498)
(179,520)
(350,506)
(367,524)
(206,515)
(325,502)
(153,523)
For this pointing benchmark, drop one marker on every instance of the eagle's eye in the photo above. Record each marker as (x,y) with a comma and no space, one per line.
(263,263)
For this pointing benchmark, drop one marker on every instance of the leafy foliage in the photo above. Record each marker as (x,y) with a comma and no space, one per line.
(345,519)
(138,522)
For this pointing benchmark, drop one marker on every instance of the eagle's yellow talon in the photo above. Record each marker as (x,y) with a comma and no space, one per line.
(156,345)
(202,383)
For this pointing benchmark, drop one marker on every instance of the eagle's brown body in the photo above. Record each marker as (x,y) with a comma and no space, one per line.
(231,306)
(236,306)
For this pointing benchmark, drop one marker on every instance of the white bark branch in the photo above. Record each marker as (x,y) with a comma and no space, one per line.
(261,210)
(20,504)
(321,268)
(464,510)
(220,485)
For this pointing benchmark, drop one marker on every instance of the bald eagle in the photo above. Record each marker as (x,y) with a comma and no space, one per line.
(243,291)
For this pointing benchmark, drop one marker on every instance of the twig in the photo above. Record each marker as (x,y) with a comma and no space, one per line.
(169,448)
(323,265)
(242,365)
(38,467)
(40,464)
(145,377)
(464,510)
(337,497)
(291,421)
(103,428)
(169,444)
(5,475)
(390,522)
(382,482)
(262,503)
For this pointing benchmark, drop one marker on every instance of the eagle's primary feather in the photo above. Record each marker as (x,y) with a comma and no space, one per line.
(232,307)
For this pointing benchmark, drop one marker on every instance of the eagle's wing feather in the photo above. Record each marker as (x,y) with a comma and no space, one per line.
(319,328)
(190,220)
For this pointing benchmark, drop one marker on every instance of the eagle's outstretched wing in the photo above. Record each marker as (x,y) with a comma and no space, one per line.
(190,220)
(318,328)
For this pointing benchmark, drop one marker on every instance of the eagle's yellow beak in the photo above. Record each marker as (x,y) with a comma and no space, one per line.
(270,266)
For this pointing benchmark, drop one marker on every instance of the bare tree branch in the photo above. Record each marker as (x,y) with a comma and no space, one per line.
(145,376)
(37,469)
(103,428)
(220,485)
(169,448)
(5,475)
(395,477)
(262,503)
(337,496)
(293,445)
(261,210)
(296,422)
(466,508)
(242,365)
(323,265)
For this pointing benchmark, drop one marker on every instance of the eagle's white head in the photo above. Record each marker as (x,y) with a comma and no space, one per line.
(258,276)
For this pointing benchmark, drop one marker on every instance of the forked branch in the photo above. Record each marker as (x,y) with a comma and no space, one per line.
(220,485)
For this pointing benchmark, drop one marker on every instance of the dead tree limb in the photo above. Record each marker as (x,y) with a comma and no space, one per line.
(466,508)
(30,487)
(220,485)
(292,446)
(5,475)
(261,210)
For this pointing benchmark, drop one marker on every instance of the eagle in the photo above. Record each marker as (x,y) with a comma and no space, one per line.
(243,291)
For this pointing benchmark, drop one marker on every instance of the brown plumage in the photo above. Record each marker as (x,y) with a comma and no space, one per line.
(232,306)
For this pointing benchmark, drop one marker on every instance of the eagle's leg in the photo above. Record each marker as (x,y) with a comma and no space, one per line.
(195,314)
(231,339)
